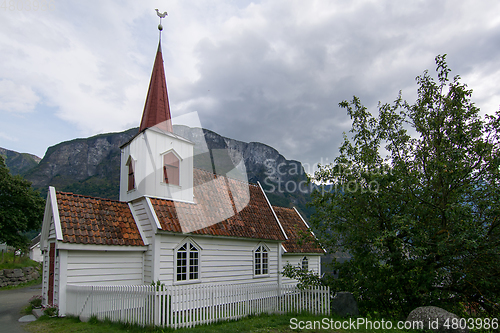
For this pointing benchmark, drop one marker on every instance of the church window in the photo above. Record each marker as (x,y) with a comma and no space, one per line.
(305,263)
(131,176)
(171,169)
(261,261)
(187,262)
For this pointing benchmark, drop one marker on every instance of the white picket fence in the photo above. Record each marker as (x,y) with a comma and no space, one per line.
(190,305)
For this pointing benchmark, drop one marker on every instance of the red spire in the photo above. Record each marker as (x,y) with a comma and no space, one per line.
(156,110)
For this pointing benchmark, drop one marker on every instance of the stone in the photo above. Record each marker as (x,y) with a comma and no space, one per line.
(27,319)
(13,273)
(434,318)
(344,304)
(8,272)
(28,270)
(38,313)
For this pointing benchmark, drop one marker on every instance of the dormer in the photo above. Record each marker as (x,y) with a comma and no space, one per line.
(156,162)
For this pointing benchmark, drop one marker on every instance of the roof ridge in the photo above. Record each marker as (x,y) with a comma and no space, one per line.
(88,196)
(276,206)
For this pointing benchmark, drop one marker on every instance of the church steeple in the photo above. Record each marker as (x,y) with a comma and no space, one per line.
(157,163)
(156,109)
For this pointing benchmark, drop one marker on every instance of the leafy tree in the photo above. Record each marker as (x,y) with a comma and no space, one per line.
(21,208)
(415,202)
(304,277)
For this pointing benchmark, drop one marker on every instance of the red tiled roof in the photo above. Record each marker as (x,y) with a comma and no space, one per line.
(300,239)
(156,109)
(87,220)
(223,207)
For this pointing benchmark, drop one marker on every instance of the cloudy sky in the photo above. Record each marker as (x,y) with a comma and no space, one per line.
(271,71)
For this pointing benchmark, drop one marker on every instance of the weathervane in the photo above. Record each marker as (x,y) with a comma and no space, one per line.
(160,15)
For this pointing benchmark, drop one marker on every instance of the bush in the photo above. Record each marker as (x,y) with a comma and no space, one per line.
(51,311)
(36,301)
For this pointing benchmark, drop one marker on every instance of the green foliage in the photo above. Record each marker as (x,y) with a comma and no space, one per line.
(422,222)
(304,277)
(36,301)
(95,186)
(27,310)
(51,311)
(10,261)
(21,208)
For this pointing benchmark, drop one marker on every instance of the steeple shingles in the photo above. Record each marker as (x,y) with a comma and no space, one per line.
(157,109)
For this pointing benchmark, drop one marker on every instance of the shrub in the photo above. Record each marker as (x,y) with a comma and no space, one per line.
(51,310)
(36,301)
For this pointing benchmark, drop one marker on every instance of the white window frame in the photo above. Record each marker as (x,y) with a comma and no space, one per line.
(258,259)
(188,258)
(304,260)
(162,166)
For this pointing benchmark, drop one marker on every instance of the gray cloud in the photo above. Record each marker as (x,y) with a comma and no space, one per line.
(271,71)
(280,82)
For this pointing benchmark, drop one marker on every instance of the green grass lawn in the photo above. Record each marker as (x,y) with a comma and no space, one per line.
(9,261)
(262,323)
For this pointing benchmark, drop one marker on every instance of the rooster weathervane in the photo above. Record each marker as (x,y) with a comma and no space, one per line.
(160,15)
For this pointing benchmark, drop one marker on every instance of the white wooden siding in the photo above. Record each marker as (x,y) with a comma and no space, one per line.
(52,229)
(148,149)
(142,213)
(221,260)
(296,260)
(104,268)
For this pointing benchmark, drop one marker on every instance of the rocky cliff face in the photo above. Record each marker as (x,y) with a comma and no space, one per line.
(260,161)
(19,163)
(91,166)
(87,166)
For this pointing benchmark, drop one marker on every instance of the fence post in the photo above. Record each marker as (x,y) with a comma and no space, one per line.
(91,301)
(155,306)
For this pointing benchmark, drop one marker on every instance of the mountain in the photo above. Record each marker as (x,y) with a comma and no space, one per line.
(19,163)
(90,166)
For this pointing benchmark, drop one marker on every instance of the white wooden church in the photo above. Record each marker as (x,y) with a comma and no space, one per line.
(173,223)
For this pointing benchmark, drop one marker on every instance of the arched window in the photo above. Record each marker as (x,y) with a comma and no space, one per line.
(261,261)
(131,176)
(171,169)
(305,263)
(187,262)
